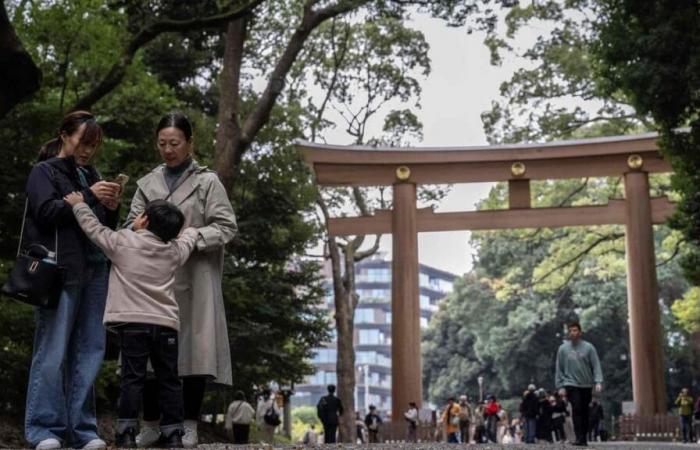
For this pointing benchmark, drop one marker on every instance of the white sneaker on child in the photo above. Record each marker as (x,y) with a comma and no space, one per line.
(190,438)
(48,444)
(149,434)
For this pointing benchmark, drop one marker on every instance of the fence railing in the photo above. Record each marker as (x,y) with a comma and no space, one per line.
(648,428)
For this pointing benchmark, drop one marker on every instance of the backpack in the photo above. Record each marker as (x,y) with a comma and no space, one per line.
(271,417)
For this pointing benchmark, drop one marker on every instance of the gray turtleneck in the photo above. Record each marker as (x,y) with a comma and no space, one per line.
(173,174)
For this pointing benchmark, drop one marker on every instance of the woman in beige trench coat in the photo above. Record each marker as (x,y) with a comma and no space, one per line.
(204,346)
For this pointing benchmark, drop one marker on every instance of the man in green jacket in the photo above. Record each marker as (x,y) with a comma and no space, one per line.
(685,411)
(577,373)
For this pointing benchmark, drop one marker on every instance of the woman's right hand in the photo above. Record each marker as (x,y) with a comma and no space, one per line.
(105,191)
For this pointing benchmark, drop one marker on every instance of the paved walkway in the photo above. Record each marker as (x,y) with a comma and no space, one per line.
(442,446)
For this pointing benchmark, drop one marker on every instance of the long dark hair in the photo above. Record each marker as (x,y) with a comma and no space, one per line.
(69,125)
(177,120)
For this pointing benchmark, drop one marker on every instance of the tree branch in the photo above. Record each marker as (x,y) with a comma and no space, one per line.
(579,255)
(263,107)
(146,35)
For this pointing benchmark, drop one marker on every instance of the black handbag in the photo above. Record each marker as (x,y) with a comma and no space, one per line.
(36,278)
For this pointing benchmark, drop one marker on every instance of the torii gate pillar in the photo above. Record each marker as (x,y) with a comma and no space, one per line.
(646,345)
(406,383)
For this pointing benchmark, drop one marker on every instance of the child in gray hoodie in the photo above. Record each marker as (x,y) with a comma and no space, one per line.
(141,307)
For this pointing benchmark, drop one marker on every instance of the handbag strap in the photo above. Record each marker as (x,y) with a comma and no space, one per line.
(21,232)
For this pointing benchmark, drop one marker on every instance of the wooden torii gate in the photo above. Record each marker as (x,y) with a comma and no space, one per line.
(632,157)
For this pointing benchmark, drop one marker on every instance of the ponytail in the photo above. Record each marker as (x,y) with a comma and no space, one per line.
(49,149)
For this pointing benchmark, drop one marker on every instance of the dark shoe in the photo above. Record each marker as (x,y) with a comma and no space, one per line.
(173,440)
(127,439)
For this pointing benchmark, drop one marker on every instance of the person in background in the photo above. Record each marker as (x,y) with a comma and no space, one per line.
(479,424)
(558,417)
(491,411)
(577,373)
(529,409)
(267,408)
(69,341)
(411,417)
(595,418)
(374,423)
(544,416)
(685,411)
(310,437)
(465,417)
(329,409)
(360,428)
(239,416)
(450,420)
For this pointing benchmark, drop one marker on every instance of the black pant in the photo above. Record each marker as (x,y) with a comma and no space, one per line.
(464,431)
(139,342)
(580,398)
(240,433)
(192,392)
(329,433)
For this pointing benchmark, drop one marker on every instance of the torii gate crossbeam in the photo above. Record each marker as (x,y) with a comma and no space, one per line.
(632,157)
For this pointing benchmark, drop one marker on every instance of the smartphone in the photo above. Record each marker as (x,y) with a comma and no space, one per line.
(121,180)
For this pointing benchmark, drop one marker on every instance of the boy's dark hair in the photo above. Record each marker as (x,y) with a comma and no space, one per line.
(165,220)
(331,388)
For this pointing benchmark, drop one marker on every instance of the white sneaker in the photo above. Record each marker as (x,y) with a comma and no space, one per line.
(48,444)
(149,434)
(95,444)
(190,438)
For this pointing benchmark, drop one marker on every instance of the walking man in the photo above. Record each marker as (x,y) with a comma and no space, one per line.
(329,408)
(685,411)
(577,373)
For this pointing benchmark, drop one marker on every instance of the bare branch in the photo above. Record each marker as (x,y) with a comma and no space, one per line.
(359,256)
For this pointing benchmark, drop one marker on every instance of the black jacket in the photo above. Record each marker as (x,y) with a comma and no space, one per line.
(328,409)
(530,406)
(49,181)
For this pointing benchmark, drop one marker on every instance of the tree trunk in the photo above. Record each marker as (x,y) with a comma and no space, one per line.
(228,135)
(19,76)
(345,364)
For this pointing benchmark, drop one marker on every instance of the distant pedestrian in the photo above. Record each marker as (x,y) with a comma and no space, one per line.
(577,372)
(239,417)
(465,417)
(479,421)
(544,417)
(450,420)
(529,408)
(360,428)
(491,411)
(558,417)
(411,417)
(310,436)
(329,409)
(595,418)
(265,416)
(685,411)
(373,422)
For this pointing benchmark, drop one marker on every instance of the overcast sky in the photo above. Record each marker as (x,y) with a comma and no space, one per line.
(460,87)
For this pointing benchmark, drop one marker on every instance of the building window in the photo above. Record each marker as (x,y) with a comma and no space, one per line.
(325,355)
(375,275)
(364,315)
(372,337)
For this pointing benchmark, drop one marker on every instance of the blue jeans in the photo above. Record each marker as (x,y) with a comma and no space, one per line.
(687,428)
(530,430)
(69,345)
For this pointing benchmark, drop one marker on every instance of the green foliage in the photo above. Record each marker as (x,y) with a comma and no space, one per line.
(687,310)
(650,51)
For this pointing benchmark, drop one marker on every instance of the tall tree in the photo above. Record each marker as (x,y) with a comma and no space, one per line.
(650,50)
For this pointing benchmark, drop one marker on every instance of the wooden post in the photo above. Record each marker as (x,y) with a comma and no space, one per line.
(518,194)
(648,384)
(405,323)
